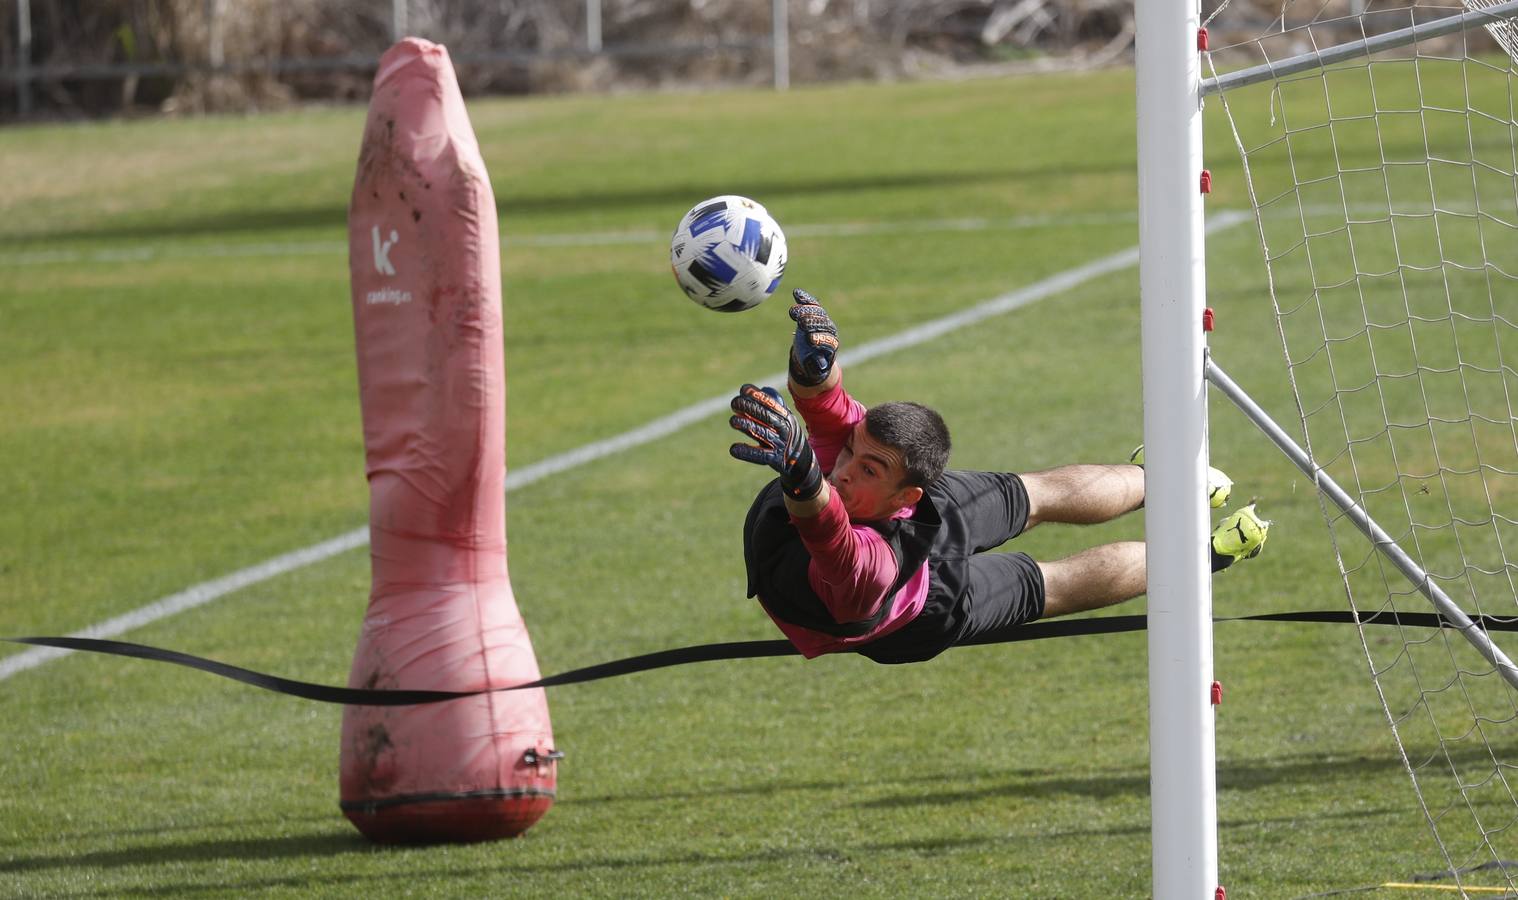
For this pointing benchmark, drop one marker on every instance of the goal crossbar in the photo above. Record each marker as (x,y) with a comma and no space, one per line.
(1356,513)
(1318,59)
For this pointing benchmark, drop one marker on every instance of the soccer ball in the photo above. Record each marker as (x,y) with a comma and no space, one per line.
(728,254)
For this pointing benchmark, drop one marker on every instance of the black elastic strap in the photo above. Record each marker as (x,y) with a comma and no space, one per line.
(368,697)
(699,653)
(1386,617)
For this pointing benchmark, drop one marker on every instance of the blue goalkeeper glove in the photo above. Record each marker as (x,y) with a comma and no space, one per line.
(815,342)
(779,441)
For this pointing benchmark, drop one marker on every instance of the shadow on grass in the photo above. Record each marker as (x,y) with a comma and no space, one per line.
(418,874)
(1035,786)
(1144,826)
(1030,785)
(299,846)
(329,845)
(1232,775)
(676,197)
(768,789)
(830,855)
(145,830)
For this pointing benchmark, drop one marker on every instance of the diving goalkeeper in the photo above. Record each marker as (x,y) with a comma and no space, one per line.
(867,542)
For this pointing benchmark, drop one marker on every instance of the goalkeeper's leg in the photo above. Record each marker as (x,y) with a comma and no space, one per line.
(1112,573)
(1095,578)
(1083,494)
(1090,494)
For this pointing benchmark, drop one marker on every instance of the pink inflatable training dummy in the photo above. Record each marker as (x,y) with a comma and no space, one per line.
(424,256)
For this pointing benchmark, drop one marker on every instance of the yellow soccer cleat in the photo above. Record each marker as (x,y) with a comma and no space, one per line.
(1240,535)
(1219,488)
(1219,485)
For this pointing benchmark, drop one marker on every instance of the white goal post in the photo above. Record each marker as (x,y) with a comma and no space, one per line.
(1172,292)
(1388,215)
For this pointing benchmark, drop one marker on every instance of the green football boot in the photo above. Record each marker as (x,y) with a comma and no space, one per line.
(1240,535)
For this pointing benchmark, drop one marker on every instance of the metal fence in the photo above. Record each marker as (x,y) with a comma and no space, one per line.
(200,49)
(91,57)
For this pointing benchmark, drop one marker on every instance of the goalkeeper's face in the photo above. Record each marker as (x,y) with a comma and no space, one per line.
(870,478)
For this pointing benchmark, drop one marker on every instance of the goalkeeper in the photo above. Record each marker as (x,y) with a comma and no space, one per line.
(868,542)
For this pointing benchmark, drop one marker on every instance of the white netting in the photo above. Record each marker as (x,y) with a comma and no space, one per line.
(1387,204)
(1505,33)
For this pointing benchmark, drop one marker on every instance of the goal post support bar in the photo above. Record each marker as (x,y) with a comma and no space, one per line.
(1356,513)
(1354,49)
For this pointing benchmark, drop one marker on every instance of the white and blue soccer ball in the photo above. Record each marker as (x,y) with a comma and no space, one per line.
(728,253)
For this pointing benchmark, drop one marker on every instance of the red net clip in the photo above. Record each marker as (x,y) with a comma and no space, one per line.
(1201,39)
(1217,693)
(1220,894)
(1206,182)
(1207,319)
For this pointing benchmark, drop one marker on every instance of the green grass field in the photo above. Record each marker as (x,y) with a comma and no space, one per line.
(181,403)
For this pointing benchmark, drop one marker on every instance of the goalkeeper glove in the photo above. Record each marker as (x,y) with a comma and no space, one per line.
(779,441)
(815,342)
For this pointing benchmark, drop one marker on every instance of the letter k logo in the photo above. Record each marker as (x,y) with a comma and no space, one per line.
(382,251)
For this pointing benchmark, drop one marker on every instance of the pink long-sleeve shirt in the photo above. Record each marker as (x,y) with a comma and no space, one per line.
(852,567)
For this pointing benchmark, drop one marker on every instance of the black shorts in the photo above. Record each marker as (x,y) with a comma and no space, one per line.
(970,591)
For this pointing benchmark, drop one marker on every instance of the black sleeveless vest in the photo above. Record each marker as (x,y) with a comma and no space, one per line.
(777,561)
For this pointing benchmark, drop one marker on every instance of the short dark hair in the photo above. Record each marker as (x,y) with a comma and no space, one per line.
(915,430)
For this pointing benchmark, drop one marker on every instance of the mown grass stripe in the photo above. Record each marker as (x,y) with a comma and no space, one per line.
(150,252)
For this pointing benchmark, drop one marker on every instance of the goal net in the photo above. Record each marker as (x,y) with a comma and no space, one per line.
(1380,147)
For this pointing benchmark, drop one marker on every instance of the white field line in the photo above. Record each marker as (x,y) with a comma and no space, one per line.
(204,593)
(149,252)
